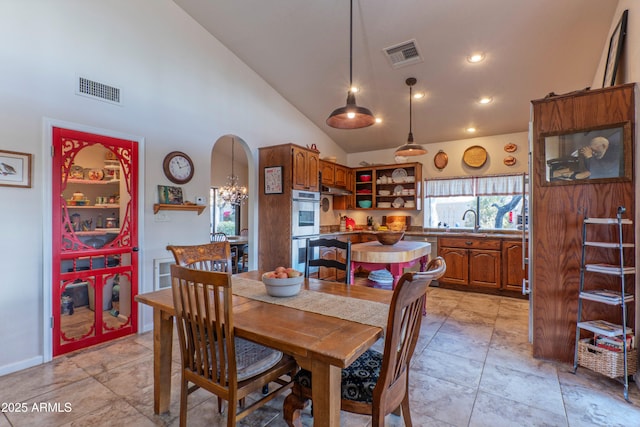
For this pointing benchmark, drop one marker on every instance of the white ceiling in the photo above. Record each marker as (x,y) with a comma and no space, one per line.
(301,48)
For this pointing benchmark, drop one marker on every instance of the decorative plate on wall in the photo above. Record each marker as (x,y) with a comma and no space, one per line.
(510,147)
(440,160)
(509,161)
(474,156)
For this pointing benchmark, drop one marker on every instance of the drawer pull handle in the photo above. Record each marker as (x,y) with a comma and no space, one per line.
(468,243)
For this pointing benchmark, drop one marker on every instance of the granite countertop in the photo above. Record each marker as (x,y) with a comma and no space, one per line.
(417,231)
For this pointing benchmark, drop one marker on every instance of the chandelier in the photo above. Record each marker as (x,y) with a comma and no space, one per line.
(232,193)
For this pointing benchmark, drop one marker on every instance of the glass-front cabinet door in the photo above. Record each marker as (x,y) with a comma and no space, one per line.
(94,239)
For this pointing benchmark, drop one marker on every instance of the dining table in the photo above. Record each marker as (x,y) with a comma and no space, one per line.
(403,254)
(324,338)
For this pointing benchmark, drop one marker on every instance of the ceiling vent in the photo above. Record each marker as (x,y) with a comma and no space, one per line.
(403,54)
(97,90)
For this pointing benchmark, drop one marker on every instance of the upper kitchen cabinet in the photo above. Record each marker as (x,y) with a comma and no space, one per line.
(306,167)
(334,174)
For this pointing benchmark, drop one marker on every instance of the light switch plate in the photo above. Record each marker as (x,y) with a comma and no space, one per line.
(199,200)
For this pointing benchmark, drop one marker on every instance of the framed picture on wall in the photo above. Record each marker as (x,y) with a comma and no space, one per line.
(588,156)
(168,195)
(616,43)
(273,180)
(15,169)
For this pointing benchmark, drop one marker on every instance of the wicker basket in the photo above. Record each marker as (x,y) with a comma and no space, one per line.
(606,362)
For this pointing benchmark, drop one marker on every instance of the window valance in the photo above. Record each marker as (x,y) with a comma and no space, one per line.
(496,185)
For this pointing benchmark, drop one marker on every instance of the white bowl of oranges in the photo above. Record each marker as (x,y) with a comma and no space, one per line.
(283,282)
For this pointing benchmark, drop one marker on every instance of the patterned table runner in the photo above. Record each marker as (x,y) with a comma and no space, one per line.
(357,310)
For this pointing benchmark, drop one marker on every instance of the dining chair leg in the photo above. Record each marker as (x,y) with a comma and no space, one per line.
(406,412)
(184,392)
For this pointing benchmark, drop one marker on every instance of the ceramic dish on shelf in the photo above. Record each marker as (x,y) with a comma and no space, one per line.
(410,178)
(398,190)
(384,192)
(398,203)
(384,205)
(398,174)
(409,204)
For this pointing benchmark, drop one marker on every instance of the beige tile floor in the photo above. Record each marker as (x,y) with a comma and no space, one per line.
(472,367)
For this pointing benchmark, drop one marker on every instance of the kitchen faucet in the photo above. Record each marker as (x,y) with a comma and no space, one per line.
(476,224)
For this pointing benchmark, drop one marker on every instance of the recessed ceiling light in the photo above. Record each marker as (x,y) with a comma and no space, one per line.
(475,57)
(470,129)
(485,100)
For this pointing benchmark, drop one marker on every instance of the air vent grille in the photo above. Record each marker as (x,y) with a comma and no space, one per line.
(98,90)
(403,54)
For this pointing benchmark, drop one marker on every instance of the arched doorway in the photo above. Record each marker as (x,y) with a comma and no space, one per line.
(231,165)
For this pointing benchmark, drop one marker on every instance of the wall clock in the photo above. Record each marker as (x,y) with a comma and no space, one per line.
(178,167)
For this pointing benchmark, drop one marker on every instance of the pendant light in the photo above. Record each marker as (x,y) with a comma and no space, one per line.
(351,116)
(410,149)
(232,193)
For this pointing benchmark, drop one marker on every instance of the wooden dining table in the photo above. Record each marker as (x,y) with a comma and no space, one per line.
(404,254)
(320,343)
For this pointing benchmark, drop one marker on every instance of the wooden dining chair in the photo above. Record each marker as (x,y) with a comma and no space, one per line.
(389,371)
(214,256)
(219,237)
(213,358)
(222,237)
(333,259)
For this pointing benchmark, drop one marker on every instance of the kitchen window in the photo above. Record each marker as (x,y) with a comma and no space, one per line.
(497,200)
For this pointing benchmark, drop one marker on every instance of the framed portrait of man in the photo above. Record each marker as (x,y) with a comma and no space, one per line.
(588,156)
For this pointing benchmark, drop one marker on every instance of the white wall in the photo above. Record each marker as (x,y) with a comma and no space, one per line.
(181,89)
(455,167)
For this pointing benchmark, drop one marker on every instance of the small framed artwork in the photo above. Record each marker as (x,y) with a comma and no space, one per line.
(588,156)
(616,43)
(168,195)
(273,180)
(15,169)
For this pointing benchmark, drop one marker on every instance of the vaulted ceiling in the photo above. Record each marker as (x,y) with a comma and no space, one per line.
(301,48)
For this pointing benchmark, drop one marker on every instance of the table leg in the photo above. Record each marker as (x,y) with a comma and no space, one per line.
(162,342)
(326,394)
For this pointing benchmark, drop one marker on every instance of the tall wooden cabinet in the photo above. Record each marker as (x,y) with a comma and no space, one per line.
(300,170)
(558,209)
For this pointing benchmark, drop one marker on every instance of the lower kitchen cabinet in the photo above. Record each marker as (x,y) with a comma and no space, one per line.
(512,260)
(482,264)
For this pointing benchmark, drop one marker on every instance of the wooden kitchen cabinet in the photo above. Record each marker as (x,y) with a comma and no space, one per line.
(334,174)
(340,176)
(513,274)
(471,262)
(306,166)
(327,172)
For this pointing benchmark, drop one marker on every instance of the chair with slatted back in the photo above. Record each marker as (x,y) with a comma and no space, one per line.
(213,358)
(214,256)
(378,384)
(222,237)
(332,257)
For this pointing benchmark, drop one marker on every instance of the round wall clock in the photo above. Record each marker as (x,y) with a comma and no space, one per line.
(178,167)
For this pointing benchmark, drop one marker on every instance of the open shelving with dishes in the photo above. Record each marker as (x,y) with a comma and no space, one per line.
(93,205)
(396,186)
(611,349)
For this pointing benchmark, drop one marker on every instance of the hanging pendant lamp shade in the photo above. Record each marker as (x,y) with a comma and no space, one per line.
(410,149)
(351,116)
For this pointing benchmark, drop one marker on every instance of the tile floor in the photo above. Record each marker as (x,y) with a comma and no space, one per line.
(472,367)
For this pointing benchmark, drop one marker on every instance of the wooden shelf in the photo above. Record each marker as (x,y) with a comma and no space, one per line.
(163,207)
